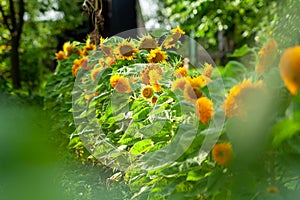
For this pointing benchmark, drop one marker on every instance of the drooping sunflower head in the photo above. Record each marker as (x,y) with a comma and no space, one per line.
(191,93)
(267,56)
(126,50)
(120,83)
(238,100)
(222,153)
(95,73)
(157,56)
(204,109)
(70,49)
(290,69)
(147,92)
(79,63)
(148,43)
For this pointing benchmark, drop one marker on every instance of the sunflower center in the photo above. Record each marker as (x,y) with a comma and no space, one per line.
(126,50)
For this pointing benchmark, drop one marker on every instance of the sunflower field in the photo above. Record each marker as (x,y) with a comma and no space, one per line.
(173,129)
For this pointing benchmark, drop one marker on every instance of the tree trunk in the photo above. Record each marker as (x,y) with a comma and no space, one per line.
(15,64)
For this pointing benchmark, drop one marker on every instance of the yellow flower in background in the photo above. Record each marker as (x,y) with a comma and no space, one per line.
(157,56)
(222,153)
(204,109)
(290,69)
(236,103)
(126,50)
(169,43)
(267,56)
(207,71)
(181,71)
(273,189)
(178,84)
(177,30)
(60,55)
(147,92)
(120,83)
(70,49)
(191,89)
(145,73)
(148,43)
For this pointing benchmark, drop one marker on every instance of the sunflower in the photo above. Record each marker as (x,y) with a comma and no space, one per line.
(120,83)
(107,50)
(204,109)
(222,153)
(88,96)
(169,43)
(87,48)
(79,63)
(290,69)
(145,73)
(178,84)
(147,92)
(157,56)
(60,55)
(181,71)
(191,89)
(207,71)
(177,30)
(148,43)
(267,55)
(156,87)
(154,77)
(95,73)
(70,49)
(126,50)
(237,102)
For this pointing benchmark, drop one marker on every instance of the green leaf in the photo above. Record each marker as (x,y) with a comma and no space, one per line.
(284,130)
(241,51)
(234,69)
(194,175)
(141,147)
(141,115)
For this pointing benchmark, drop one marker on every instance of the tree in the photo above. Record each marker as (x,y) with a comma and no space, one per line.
(13,18)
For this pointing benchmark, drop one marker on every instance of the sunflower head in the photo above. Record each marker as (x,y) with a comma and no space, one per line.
(126,50)
(148,43)
(145,77)
(79,63)
(60,55)
(70,49)
(267,56)
(87,48)
(147,92)
(157,56)
(178,84)
(290,69)
(204,109)
(120,84)
(181,71)
(238,100)
(177,30)
(95,73)
(222,153)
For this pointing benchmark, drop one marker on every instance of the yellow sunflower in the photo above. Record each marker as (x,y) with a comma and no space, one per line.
(290,69)
(157,56)
(181,71)
(236,103)
(120,83)
(222,153)
(87,48)
(191,89)
(178,84)
(79,63)
(156,87)
(70,49)
(177,30)
(204,109)
(60,55)
(148,43)
(267,56)
(145,73)
(126,50)
(95,72)
(147,92)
